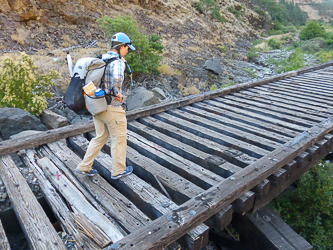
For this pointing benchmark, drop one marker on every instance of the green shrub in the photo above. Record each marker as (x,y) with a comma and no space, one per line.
(256,42)
(147,56)
(252,53)
(237,13)
(296,44)
(259,11)
(308,207)
(288,29)
(287,39)
(293,62)
(324,56)
(275,32)
(22,86)
(222,48)
(312,46)
(273,43)
(311,30)
(209,7)
(329,38)
(277,25)
(214,87)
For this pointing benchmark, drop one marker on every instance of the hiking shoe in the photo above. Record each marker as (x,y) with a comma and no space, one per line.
(91,172)
(127,171)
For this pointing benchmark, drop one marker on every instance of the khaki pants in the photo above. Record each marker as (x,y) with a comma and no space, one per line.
(110,123)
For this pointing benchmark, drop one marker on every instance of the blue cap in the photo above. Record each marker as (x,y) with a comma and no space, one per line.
(122,38)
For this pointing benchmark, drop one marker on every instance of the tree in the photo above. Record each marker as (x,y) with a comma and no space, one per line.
(311,30)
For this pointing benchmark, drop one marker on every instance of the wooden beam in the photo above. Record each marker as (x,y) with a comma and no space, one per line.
(55,201)
(173,225)
(266,230)
(102,231)
(35,224)
(142,194)
(116,205)
(4,244)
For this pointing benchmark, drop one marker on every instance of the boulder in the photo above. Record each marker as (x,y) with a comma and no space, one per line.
(158,92)
(141,97)
(213,65)
(52,120)
(14,121)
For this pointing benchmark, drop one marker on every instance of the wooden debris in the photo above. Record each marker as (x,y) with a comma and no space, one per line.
(33,220)
(80,205)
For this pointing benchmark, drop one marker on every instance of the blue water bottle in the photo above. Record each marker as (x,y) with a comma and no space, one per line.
(99,93)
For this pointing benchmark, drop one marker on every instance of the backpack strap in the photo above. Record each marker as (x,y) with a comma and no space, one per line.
(108,96)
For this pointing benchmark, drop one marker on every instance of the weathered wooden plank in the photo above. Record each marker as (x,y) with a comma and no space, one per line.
(279,102)
(277,111)
(56,203)
(278,177)
(225,130)
(208,161)
(185,168)
(290,96)
(204,132)
(261,189)
(290,167)
(313,151)
(36,226)
(244,203)
(268,113)
(193,212)
(312,94)
(211,162)
(130,217)
(298,172)
(309,79)
(102,231)
(302,159)
(295,94)
(4,244)
(265,230)
(14,145)
(240,206)
(316,85)
(236,124)
(312,107)
(224,217)
(276,128)
(143,195)
(232,155)
(45,151)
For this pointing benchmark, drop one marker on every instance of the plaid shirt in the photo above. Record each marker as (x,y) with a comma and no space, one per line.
(114,73)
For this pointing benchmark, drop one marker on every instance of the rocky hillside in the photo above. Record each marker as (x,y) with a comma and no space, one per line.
(189,37)
(32,23)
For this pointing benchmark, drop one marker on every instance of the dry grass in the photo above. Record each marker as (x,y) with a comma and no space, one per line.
(167,70)
(194,49)
(20,36)
(191,90)
(67,41)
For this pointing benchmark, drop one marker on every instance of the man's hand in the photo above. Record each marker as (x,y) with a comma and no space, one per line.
(119,97)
